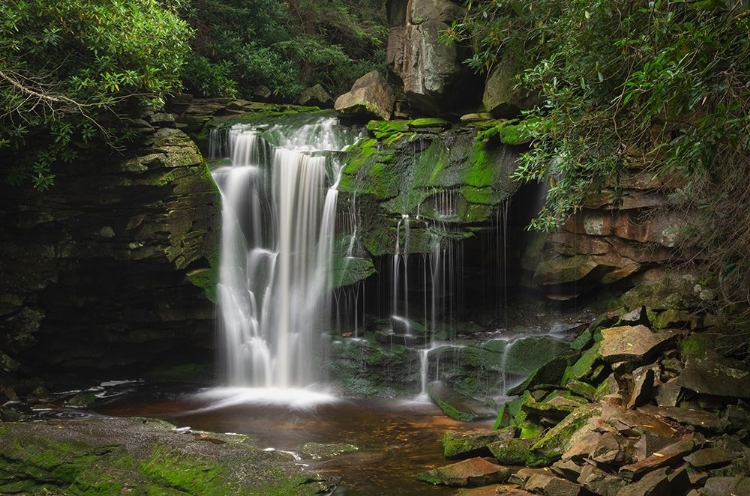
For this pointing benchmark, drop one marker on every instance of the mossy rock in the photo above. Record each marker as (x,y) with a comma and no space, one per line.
(511,451)
(584,366)
(428,122)
(552,445)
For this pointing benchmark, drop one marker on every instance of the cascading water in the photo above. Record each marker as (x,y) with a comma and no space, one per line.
(279,208)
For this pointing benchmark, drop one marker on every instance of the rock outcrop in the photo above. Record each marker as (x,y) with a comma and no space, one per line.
(434,79)
(112,268)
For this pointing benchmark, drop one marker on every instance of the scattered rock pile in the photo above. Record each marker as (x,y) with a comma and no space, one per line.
(629,411)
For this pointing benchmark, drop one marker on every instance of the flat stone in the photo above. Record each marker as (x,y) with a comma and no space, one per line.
(632,343)
(710,457)
(468,473)
(671,455)
(457,405)
(634,422)
(474,443)
(715,375)
(551,486)
(582,389)
(726,486)
(555,411)
(697,418)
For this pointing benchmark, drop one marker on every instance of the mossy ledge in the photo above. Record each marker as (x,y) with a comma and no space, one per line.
(140,456)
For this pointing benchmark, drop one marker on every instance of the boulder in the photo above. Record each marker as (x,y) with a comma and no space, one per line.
(600,482)
(511,451)
(430,70)
(468,473)
(370,96)
(632,343)
(316,96)
(658,482)
(502,97)
(715,375)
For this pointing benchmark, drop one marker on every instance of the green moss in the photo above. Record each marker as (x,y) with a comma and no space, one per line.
(482,196)
(583,367)
(425,122)
(511,451)
(175,471)
(481,171)
(383,129)
(697,345)
(207,278)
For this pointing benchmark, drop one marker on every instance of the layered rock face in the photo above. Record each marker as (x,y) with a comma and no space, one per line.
(107,269)
(433,76)
(617,236)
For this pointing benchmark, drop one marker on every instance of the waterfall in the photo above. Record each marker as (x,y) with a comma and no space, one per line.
(278,220)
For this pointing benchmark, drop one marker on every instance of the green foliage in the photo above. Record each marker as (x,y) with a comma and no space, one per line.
(68,64)
(655,85)
(284,46)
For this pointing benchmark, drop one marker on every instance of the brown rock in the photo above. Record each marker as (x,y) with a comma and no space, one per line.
(671,455)
(494,490)
(523,475)
(715,375)
(551,486)
(634,422)
(659,482)
(632,343)
(600,482)
(643,387)
(474,443)
(726,486)
(668,394)
(697,418)
(582,447)
(468,473)
(371,95)
(567,469)
(708,458)
(610,451)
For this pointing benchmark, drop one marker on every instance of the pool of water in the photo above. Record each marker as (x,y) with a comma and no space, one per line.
(397,439)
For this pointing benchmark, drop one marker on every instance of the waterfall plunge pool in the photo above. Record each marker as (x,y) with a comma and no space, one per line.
(395,439)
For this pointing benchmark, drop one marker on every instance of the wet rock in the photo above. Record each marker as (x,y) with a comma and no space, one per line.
(320,451)
(668,456)
(632,343)
(551,486)
(600,482)
(468,473)
(457,405)
(549,373)
(474,443)
(81,400)
(370,96)
(726,486)
(715,375)
(708,458)
(697,418)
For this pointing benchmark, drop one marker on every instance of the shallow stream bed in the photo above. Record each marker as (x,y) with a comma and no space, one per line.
(396,439)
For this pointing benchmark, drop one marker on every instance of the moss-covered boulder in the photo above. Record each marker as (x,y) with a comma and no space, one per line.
(550,448)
